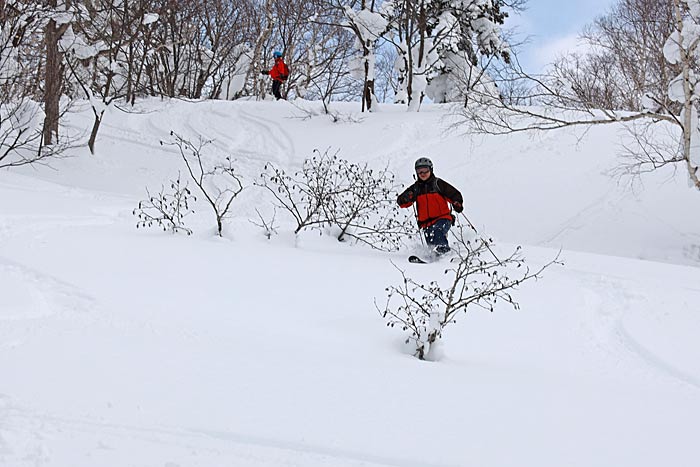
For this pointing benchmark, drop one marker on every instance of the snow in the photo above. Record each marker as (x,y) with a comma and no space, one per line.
(150,18)
(26,117)
(370,25)
(122,347)
(693,8)
(69,42)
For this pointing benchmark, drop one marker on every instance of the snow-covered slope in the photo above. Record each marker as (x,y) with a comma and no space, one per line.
(123,347)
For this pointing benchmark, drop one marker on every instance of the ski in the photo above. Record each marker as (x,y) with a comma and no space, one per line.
(417,260)
(431,258)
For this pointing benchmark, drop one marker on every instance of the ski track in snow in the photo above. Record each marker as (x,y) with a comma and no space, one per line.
(21,445)
(282,150)
(36,299)
(580,218)
(321,451)
(410,141)
(651,359)
(32,295)
(26,439)
(248,139)
(612,337)
(48,295)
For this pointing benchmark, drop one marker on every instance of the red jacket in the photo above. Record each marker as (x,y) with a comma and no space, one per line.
(280,71)
(431,197)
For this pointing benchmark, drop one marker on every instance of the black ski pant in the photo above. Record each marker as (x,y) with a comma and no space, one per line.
(276,85)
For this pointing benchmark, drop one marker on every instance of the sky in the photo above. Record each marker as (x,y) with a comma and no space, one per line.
(552,27)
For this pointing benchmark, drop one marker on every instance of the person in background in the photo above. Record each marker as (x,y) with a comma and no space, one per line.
(279,74)
(433,198)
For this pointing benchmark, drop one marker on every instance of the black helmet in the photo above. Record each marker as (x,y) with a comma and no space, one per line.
(424,162)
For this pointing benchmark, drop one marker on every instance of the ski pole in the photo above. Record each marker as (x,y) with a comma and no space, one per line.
(420,234)
(485,242)
(468,222)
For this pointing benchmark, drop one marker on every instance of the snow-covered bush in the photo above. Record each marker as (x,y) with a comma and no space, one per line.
(217,182)
(475,278)
(356,201)
(166,210)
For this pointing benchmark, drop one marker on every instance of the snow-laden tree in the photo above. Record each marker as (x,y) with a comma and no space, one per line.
(96,44)
(682,48)
(439,43)
(368,26)
(22,68)
(323,71)
(469,37)
(222,49)
(335,55)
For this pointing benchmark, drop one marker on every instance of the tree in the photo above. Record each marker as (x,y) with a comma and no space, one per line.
(325,58)
(368,26)
(559,104)
(22,120)
(682,48)
(437,39)
(624,59)
(96,47)
(57,24)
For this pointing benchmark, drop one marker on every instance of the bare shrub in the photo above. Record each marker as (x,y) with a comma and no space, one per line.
(301,195)
(364,207)
(475,278)
(218,183)
(268,225)
(330,192)
(166,209)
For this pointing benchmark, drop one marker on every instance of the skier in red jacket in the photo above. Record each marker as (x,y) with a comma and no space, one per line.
(433,197)
(279,74)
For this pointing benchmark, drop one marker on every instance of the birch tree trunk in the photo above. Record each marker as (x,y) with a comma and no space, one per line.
(689,126)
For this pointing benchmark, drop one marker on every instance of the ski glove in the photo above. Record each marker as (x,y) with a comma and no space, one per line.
(458,206)
(407,197)
(263,72)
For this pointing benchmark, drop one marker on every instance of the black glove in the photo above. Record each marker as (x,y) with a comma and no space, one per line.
(263,72)
(408,197)
(458,206)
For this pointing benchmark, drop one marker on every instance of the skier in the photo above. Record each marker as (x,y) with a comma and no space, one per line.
(279,74)
(433,197)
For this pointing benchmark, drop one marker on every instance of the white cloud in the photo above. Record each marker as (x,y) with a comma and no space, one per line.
(542,54)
